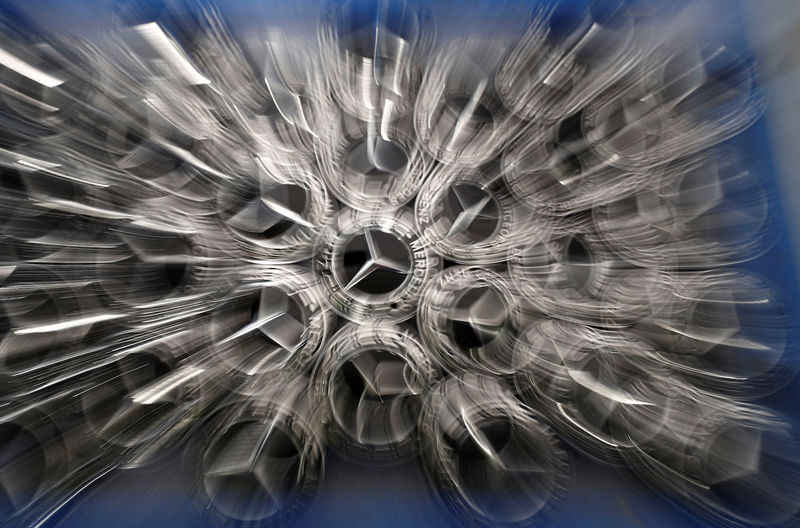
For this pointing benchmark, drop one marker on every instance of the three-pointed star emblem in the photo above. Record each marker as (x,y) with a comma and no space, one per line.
(276,318)
(265,454)
(377,157)
(474,204)
(482,311)
(380,257)
(270,207)
(383,384)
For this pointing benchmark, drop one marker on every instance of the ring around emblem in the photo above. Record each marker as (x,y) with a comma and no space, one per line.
(374,265)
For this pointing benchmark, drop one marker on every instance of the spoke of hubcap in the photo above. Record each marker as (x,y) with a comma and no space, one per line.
(469,212)
(368,267)
(285,211)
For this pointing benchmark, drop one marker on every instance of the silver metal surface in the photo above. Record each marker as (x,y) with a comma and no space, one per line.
(277,214)
(373,378)
(489,458)
(468,216)
(188,204)
(262,458)
(373,265)
(710,208)
(374,55)
(581,379)
(278,319)
(459,118)
(573,275)
(371,166)
(566,56)
(727,331)
(468,318)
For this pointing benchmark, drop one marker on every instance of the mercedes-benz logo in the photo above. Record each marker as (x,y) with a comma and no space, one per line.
(261,458)
(490,458)
(459,118)
(371,166)
(467,217)
(277,218)
(476,211)
(376,262)
(717,93)
(579,377)
(251,242)
(259,465)
(696,433)
(372,378)
(555,169)
(272,213)
(468,317)
(163,264)
(478,317)
(373,55)
(156,267)
(626,127)
(573,274)
(139,396)
(277,320)
(688,216)
(723,330)
(374,265)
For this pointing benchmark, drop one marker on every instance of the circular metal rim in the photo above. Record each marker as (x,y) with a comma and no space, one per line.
(343,134)
(484,396)
(298,242)
(692,255)
(282,396)
(349,342)
(434,322)
(504,124)
(587,306)
(338,58)
(304,288)
(490,250)
(396,306)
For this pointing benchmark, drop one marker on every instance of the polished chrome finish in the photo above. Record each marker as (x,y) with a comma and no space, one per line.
(374,55)
(489,458)
(555,169)
(468,318)
(581,378)
(686,97)
(468,216)
(458,117)
(277,319)
(726,459)
(372,378)
(568,55)
(262,458)
(187,206)
(573,275)
(277,214)
(371,166)
(727,331)
(373,265)
(710,209)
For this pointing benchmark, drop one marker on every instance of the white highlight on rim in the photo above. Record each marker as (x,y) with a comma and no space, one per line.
(26,70)
(168,49)
(154,392)
(66,325)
